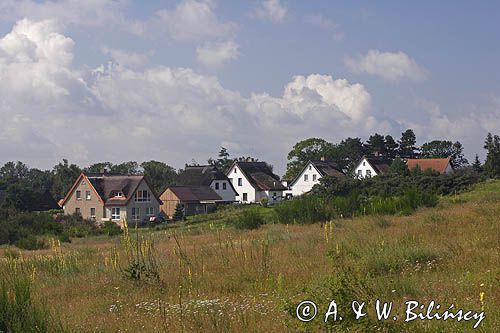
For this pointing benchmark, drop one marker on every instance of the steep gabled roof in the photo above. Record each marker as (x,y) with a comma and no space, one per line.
(324,167)
(201,175)
(194,193)
(435,164)
(379,163)
(106,185)
(260,176)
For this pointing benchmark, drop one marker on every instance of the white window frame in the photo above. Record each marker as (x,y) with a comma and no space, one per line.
(78,195)
(314,178)
(141,198)
(88,195)
(306,178)
(150,211)
(115,213)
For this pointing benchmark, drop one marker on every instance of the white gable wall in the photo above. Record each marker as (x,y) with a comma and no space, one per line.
(227,194)
(302,185)
(245,187)
(364,166)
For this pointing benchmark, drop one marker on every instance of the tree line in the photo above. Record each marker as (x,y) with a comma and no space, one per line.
(349,151)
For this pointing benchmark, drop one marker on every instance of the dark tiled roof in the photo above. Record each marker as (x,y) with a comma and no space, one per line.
(380,164)
(202,175)
(328,168)
(261,176)
(195,193)
(435,164)
(107,185)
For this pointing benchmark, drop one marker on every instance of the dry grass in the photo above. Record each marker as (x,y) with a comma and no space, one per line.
(217,279)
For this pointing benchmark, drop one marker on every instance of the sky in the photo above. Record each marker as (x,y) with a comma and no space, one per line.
(121,80)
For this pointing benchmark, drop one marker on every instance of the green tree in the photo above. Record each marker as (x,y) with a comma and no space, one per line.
(476,166)
(444,149)
(391,147)
(492,162)
(304,151)
(399,167)
(99,167)
(348,153)
(64,176)
(126,168)
(223,162)
(12,172)
(407,148)
(159,174)
(375,145)
(178,213)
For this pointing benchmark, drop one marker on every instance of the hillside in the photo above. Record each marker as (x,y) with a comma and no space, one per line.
(215,278)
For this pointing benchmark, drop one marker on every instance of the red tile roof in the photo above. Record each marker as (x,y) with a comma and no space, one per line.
(435,164)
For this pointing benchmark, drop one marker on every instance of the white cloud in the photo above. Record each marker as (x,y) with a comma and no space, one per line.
(392,66)
(53,110)
(127,58)
(88,12)
(326,24)
(271,10)
(214,55)
(190,20)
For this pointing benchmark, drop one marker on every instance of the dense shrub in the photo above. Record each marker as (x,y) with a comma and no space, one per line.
(111,229)
(31,242)
(249,219)
(305,210)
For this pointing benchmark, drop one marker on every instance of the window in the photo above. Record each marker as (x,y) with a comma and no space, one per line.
(306,178)
(314,178)
(136,215)
(87,195)
(224,186)
(115,213)
(368,173)
(235,170)
(150,211)
(142,196)
(216,186)
(78,211)
(364,163)
(118,194)
(78,195)
(310,167)
(245,197)
(360,173)
(83,182)
(92,213)
(240,182)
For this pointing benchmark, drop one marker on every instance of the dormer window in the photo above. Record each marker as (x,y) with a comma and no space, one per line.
(118,194)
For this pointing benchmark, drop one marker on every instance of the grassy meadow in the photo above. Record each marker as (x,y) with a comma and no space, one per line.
(207,276)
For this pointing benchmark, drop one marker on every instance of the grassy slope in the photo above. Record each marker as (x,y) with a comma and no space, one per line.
(221,279)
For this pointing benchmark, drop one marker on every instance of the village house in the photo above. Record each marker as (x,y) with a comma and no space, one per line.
(255,182)
(194,200)
(371,166)
(208,175)
(198,190)
(440,165)
(311,174)
(110,197)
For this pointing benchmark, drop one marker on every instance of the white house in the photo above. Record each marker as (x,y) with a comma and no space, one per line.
(311,174)
(208,175)
(255,181)
(371,166)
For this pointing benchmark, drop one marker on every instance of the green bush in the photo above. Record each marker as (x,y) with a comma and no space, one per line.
(31,242)
(111,229)
(249,219)
(305,210)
